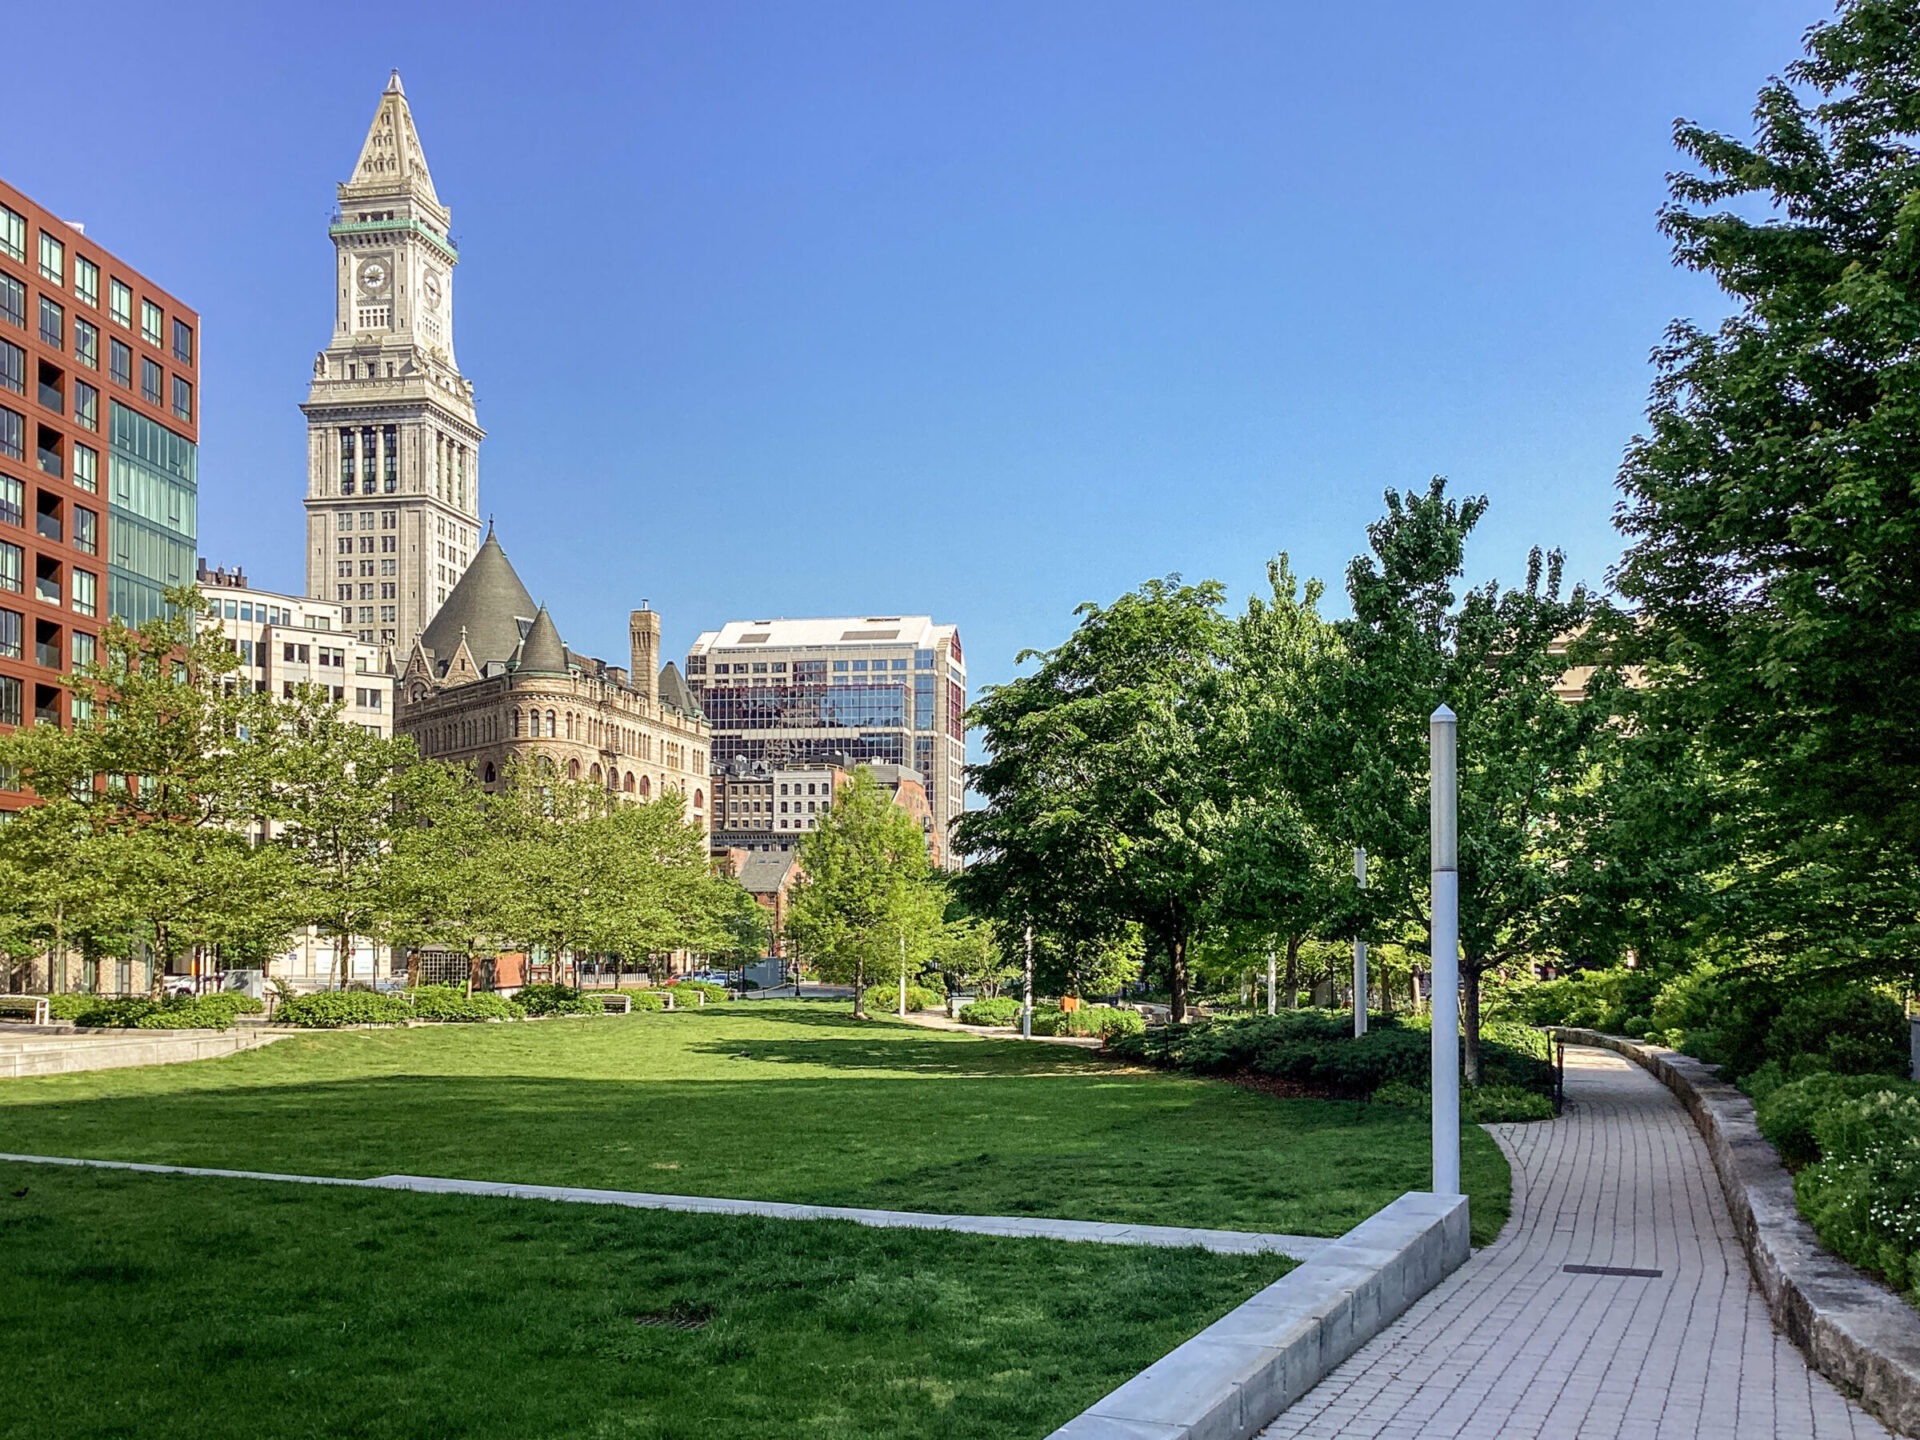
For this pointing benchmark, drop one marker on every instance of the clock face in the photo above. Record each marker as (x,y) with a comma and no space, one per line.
(431,288)
(373,275)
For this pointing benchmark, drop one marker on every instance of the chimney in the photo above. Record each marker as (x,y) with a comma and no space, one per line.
(643,631)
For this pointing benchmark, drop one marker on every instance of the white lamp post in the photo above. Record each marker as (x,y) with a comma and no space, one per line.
(1026,992)
(1444,837)
(1272,982)
(1359,952)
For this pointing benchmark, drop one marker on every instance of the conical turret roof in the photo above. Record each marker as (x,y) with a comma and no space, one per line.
(674,691)
(542,652)
(489,603)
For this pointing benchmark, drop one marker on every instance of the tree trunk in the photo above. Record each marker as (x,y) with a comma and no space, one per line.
(1471,988)
(1291,982)
(1177,986)
(859,990)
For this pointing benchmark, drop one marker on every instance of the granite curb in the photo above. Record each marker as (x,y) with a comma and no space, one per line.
(1852,1329)
(1234,1378)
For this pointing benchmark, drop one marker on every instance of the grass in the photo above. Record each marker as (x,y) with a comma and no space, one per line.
(768,1100)
(162,1306)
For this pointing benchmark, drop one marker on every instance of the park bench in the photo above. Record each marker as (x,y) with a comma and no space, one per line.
(33,1007)
(608,1001)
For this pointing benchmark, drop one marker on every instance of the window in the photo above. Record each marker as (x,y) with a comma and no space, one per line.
(86,468)
(390,459)
(150,378)
(13,302)
(85,592)
(53,259)
(13,502)
(368,459)
(86,405)
(183,398)
(389,544)
(120,304)
(86,343)
(13,434)
(86,280)
(152,323)
(86,531)
(84,652)
(120,363)
(183,342)
(53,324)
(13,234)
(11,691)
(13,568)
(12,628)
(13,367)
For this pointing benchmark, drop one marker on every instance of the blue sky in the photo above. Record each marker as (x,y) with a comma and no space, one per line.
(979,310)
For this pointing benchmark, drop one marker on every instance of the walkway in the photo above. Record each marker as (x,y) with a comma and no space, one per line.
(1223,1242)
(1514,1345)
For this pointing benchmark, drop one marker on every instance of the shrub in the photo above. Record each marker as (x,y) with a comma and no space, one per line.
(1846,1029)
(71,1007)
(1002,1011)
(451,1004)
(688,992)
(557,1000)
(1317,1048)
(1863,1195)
(886,998)
(331,1009)
(1104,1021)
(1615,999)
(1742,1020)
(646,1000)
(1789,1114)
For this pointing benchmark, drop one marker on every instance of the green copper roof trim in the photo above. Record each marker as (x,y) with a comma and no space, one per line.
(361,227)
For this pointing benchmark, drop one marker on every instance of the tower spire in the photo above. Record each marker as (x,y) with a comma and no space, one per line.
(391,161)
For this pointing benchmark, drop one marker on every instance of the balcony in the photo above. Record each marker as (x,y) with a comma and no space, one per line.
(51,397)
(50,463)
(46,656)
(48,527)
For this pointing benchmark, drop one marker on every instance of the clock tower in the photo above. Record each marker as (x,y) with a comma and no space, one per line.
(393,444)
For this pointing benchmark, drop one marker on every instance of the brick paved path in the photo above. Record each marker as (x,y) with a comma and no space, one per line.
(1511,1346)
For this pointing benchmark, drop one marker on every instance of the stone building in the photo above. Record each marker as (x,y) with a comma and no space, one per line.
(490,681)
(393,443)
(767,808)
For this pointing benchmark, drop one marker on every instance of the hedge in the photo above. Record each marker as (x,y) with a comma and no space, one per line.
(1105,1021)
(331,1009)
(1004,1010)
(645,999)
(213,1011)
(887,998)
(1317,1048)
(684,992)
(451,1004)
(557,1000)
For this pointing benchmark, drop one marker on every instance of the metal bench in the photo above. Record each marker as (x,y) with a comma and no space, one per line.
(34,1007)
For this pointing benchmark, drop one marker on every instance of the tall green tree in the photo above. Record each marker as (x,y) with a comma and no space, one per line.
(867,886)
(1495,656)
(1106,793)
(1771,506)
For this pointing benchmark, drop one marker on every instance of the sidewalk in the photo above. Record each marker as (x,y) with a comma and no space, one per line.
(1513,1345)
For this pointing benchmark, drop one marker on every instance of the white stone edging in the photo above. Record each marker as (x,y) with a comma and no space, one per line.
(1853,1330)
(1234,1378)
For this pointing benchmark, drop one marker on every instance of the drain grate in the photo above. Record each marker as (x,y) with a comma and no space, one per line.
(677,1317)
(1611,1270)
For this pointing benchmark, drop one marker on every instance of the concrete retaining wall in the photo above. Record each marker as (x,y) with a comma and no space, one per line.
(42,1053)
(1853,1330)
(1231,1380)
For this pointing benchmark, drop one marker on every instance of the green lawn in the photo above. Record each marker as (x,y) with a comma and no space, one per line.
(768,1100)
(159,1306)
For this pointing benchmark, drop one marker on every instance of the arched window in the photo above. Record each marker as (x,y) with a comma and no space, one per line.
(643,785)
(593,772)
(553,730)
(489,773)
(699,799)
(573,770)
(515,723)
(569,724)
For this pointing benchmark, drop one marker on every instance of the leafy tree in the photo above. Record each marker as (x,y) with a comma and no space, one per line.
(1771,504)
(867,884)
(1495,656)
(968,954)
(1106,796)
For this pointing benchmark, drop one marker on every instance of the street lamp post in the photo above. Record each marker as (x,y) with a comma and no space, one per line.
(1026,992)
(1444,843)
(1272,982)
(1360,951)
(903,974)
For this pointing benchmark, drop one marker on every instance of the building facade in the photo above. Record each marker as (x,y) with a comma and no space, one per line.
(393,443)
(760,809)
(490,682)
(890,689)
(99,434)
